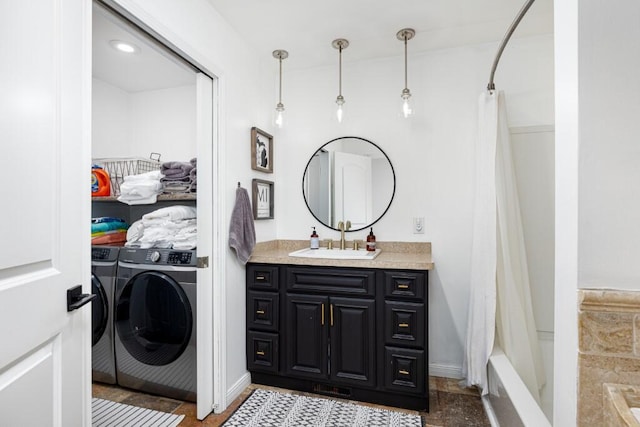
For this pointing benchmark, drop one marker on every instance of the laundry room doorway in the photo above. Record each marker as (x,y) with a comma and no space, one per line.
(155,104)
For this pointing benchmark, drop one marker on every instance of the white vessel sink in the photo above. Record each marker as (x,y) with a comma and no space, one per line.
(324,253)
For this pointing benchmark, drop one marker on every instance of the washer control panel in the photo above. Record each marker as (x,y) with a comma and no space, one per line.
(159,256)
(182,258)
(102,253)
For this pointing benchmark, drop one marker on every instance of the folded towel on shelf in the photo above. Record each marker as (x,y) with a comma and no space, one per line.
(242,233)
(102,227)
(105,219)
(173,187)
(141,189)
(155,175)
(193,175)
(176,212)
(110,237)
(169,227)
(174,171)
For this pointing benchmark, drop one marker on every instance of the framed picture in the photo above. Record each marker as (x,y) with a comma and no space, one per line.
(261,150)
(262,199)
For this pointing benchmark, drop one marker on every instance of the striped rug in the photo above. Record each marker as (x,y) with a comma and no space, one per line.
(266,408)
(113,414)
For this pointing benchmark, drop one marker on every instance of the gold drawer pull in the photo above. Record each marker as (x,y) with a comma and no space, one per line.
(259,277)
(403,286)
(260,312)
(403,372)
(331,313)
(260,353)
(403,325)
(322,314)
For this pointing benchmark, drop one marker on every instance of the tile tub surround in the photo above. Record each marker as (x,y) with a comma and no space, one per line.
(394,255)
(618,401)
(609,348)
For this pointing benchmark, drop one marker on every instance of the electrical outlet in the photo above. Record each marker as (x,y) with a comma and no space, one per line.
(418,225)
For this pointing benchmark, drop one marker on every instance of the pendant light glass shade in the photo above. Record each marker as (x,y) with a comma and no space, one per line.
(407,107)
(279,120)
(340,44)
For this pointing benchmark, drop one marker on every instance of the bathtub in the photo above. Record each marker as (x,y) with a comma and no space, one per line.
(509,403)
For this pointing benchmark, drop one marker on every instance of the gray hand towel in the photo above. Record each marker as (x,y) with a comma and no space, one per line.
(242,233)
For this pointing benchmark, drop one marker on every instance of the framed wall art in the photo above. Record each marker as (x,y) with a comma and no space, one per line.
(262,199)
(261,150)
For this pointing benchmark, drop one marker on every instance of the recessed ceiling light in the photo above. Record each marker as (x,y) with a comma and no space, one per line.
(124,46)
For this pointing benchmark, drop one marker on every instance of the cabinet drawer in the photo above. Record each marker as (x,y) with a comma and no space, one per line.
(404,370)
(262,351)
(262,277)
(335,281)
(404,323)
(405,284)
(263,311)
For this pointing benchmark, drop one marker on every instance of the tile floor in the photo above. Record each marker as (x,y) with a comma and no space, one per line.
(450,405)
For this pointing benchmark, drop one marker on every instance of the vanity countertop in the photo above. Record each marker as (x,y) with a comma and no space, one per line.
(393,255)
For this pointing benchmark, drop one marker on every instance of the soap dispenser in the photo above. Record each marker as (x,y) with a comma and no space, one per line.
(371,241)
(315,240)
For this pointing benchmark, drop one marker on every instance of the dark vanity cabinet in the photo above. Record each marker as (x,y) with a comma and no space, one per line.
(355,333)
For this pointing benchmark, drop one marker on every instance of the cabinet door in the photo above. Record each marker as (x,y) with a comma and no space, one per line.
(307,335)
(352,331)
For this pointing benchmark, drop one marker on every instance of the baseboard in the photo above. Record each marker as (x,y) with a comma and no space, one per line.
(238,387)
(488,409)
(446,371)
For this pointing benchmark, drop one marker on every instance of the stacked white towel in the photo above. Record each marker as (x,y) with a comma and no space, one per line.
(141,189)
(173,227)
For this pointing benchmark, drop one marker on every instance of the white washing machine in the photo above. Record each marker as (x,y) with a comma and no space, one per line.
(155,321)
(104,266)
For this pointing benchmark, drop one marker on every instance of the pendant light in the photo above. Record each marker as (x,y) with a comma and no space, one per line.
(280,55)
(340,44)
(407,108)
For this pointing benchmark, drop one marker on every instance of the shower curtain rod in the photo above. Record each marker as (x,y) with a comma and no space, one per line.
(505,40)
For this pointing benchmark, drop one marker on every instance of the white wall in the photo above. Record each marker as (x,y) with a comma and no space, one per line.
(609,171)
(164,121)
(136,124)
(432,153)
(111,121)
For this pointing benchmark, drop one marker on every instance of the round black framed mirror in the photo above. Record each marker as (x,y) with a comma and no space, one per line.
(349,179)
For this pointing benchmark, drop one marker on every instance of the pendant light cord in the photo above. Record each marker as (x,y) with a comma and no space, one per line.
(406,86)
(340,71)
(280,90)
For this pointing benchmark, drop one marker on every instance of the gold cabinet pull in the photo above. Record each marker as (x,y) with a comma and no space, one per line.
(259,277)
(403,325)
(403,372)
(322,315)
(260,353)
(331,313)
(403,286)
(259,311)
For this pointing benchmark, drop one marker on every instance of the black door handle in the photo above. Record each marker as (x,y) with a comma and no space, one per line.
(76,299)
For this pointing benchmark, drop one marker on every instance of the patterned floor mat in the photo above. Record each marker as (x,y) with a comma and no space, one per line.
(266,408)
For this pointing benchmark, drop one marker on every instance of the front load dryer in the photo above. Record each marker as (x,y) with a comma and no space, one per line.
(155,321)
(104,265)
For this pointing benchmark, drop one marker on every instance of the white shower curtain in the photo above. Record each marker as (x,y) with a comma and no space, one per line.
(500,299)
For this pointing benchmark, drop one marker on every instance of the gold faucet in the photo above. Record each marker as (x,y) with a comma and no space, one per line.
(342,227)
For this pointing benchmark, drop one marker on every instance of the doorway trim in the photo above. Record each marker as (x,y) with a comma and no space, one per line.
(211,358)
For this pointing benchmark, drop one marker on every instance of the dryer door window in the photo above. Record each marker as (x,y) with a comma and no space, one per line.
(154,318)
(99,310)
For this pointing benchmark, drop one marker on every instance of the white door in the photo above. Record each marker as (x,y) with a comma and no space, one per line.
(45,113)
(207,351)
(352,186)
